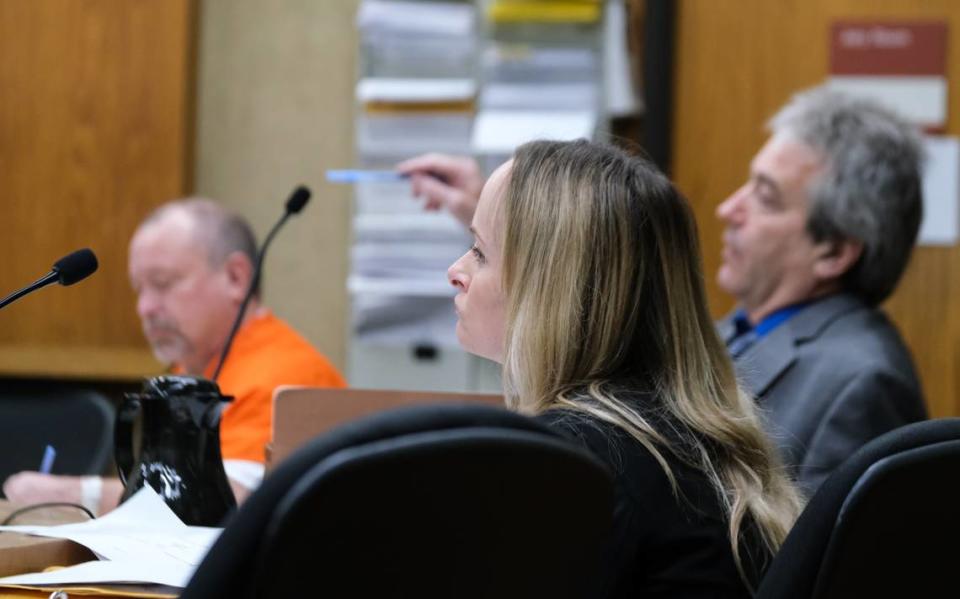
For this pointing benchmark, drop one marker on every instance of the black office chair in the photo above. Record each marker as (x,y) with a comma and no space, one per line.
(881,525)
(77,423)
(429,501)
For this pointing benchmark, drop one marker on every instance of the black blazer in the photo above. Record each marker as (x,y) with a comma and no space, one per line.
(661,545)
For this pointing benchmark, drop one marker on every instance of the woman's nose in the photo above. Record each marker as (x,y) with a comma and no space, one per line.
(456,275)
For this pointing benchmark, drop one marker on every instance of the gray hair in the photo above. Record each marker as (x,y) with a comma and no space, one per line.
(220,230)
(870,189)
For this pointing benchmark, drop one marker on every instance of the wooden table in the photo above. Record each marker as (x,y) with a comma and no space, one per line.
(20,553)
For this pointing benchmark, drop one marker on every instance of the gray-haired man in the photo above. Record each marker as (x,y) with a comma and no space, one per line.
(815,240)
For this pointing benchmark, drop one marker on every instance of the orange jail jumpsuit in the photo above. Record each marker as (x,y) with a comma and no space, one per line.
(266,353)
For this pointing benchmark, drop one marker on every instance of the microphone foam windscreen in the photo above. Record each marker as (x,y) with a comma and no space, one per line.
(298,199)
(76,266)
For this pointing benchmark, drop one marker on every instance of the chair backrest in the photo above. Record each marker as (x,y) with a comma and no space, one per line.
(78,423)
(428,501)
(879,525)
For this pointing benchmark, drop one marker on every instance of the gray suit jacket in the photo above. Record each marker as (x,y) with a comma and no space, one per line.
(828,380)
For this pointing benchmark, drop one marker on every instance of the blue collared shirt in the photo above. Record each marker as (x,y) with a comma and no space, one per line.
(772,321)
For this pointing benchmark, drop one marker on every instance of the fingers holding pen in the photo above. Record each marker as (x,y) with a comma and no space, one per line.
(435,193)
(445,182)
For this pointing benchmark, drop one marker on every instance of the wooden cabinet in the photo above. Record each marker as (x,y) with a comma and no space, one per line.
(96,101)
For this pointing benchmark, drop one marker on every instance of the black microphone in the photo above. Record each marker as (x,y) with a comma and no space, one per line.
(295,203)
(298,199)
(67,270)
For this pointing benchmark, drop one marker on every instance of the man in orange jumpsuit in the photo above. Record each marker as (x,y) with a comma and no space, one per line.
(190,264)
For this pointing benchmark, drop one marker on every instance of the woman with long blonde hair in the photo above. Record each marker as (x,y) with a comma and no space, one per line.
(584,282)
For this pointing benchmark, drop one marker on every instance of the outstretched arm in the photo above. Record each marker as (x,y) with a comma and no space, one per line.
(26,488)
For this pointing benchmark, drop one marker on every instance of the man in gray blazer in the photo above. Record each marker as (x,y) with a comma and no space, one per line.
(814,241)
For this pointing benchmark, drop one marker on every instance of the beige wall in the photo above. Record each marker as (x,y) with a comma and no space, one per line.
(274,109)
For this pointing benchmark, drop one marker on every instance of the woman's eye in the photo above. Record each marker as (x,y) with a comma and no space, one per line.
(477,254)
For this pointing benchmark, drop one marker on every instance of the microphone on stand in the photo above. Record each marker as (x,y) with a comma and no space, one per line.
(295,203)
(68,270)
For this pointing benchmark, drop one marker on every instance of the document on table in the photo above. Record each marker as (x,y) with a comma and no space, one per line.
(141,541)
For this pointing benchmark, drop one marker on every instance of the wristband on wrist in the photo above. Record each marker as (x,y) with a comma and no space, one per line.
(91,489)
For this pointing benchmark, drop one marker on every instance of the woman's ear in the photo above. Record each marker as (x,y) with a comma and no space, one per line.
(239,271)
(836,258)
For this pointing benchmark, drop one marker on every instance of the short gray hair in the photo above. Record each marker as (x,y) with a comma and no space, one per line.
(220,230)
(870,189)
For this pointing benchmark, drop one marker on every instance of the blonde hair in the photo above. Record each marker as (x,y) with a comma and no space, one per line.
(604,291)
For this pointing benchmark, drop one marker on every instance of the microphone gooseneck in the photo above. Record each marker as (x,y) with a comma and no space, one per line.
(68,270)
(295,203)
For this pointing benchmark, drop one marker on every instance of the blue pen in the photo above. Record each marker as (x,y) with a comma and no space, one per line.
(364,176)
(46,464)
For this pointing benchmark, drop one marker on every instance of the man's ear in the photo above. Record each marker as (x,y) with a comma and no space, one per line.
(239,271)
(836,257)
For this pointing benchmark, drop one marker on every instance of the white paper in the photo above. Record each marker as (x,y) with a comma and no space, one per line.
(941,192)
(501,131)
(580,95)
(920,99)
(618,77)
(523,62)
(143,530)
(125,572)
(426,18)
(432,227)
(434,286)
(388,89)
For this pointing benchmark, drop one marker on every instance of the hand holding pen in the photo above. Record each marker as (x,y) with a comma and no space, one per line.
(445,182)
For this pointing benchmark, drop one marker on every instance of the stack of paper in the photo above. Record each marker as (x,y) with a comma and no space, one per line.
(416,93)
(416,39)
(420,91)
(142,541)
(408,116)
(378,17)
(541,75)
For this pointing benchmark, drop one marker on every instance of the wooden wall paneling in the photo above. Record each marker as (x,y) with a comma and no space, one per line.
(95,130)
(736,62)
